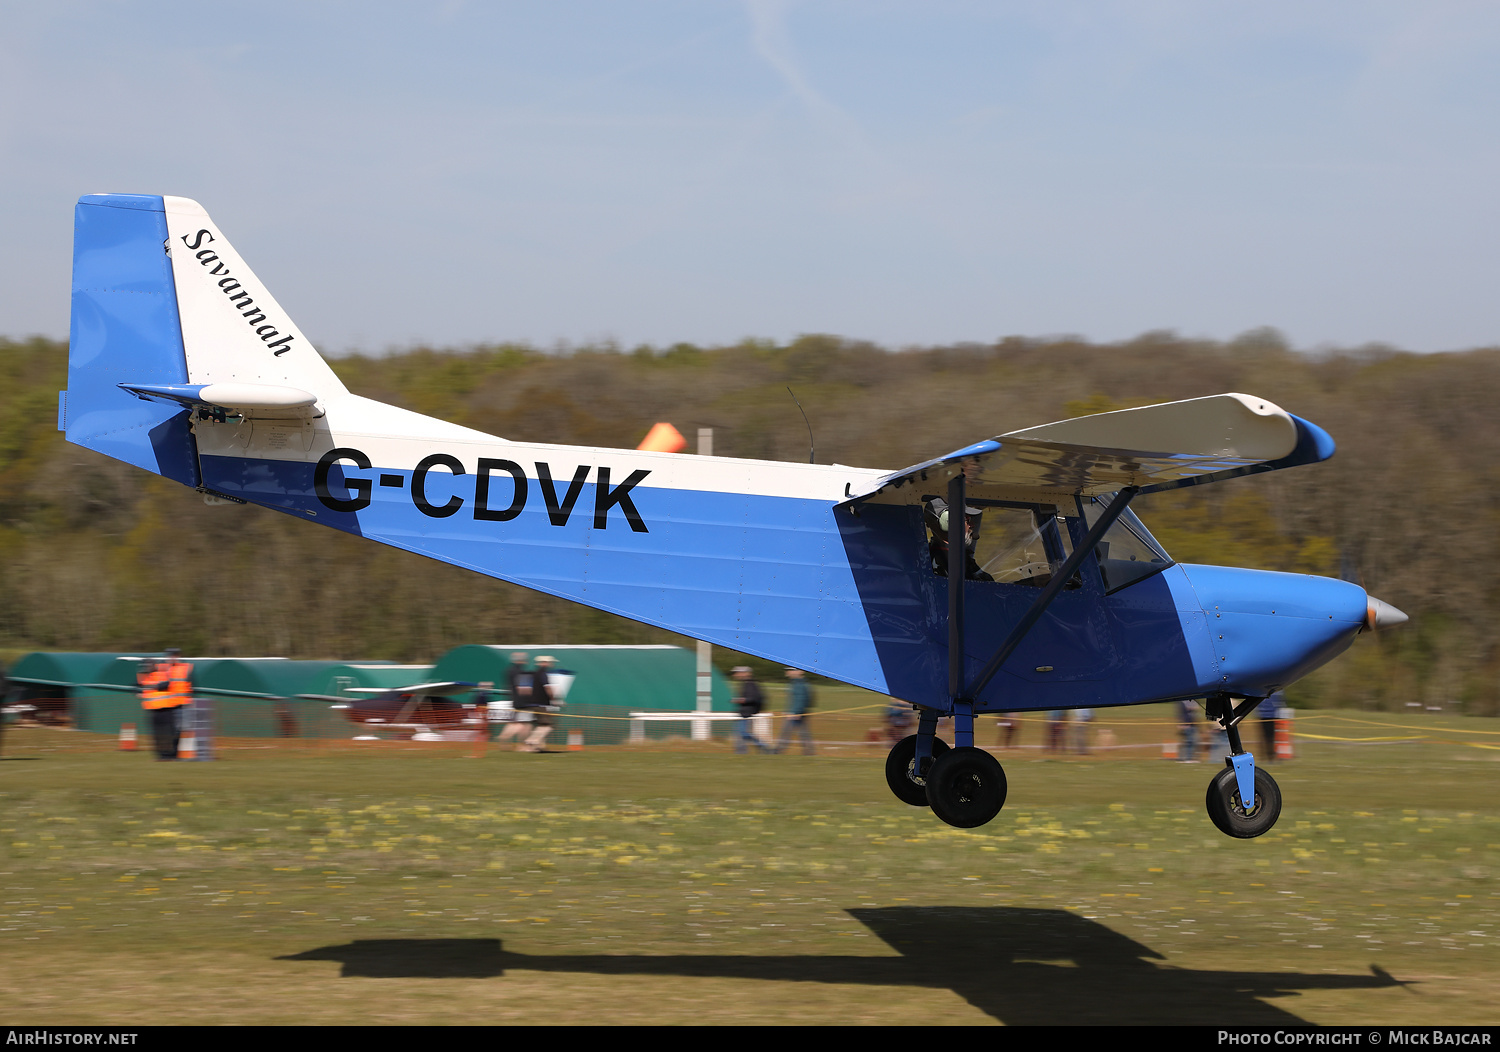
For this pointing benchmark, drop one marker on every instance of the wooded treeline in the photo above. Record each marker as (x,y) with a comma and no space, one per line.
(95,555)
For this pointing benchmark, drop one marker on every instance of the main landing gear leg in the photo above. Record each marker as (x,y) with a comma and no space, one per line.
(966,787)
(1243,800)
(963,724)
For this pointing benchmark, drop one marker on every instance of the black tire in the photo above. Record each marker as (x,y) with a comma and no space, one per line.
(966,787)
(899,764)
(1227,812)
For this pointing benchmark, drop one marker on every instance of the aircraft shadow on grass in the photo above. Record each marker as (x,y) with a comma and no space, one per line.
(1021,966)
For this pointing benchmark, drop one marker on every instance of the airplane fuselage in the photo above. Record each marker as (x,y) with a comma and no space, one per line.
(687,543)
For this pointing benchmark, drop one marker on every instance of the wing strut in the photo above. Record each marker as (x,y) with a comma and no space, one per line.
(962,696)
(960,704)
(959,699)
(957,573)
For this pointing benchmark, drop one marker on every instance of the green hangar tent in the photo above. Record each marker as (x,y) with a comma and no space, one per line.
(251,697)
(266,697)
(58,686)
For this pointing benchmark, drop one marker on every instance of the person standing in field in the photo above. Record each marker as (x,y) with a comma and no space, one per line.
(1270,712)
(542,702)
(518,685)
(1187,721)
(1010,731)
(898,720)
(1081,731)
(750,702)
(799,702)
(4,692)
(166,689)
(1057,730)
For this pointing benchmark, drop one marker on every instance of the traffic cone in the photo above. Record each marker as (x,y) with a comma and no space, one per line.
(127,737)
(575,741)
(187,747)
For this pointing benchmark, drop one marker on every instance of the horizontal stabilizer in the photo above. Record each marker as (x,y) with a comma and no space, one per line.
(1155,448)
(258,400)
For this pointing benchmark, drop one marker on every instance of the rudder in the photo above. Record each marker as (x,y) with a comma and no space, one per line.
(125,327)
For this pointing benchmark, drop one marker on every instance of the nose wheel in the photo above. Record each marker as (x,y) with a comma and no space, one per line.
(1228,812)
(1243,800)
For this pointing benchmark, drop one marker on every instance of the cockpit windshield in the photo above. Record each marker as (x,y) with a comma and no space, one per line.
(1128,552)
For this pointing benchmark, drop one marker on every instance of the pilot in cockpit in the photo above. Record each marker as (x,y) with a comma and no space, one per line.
(935,515)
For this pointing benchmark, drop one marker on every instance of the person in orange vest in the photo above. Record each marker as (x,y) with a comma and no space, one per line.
(166,689)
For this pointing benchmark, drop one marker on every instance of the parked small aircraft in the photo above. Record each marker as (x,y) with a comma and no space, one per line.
(182,363)
(425,711)
(422,709)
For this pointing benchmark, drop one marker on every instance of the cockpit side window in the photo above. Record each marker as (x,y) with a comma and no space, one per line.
(1128,553)
(1017,544)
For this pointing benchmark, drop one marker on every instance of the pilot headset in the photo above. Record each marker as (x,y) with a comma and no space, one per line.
(942,517)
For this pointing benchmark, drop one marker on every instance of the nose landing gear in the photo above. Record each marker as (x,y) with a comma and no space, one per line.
(1228,812)
(1243,801)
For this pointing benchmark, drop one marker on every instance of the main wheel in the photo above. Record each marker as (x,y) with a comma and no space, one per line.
(966,787)
(1228,811)
(900,767)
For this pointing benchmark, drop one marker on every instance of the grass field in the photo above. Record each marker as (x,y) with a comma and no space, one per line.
(679,883)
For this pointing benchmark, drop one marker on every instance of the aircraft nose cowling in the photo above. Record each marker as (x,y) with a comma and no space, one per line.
(1271,629)
(1380,614)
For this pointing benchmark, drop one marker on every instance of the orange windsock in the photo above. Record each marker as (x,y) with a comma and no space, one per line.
(663,438)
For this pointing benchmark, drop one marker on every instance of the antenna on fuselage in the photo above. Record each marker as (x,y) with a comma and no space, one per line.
(811,450)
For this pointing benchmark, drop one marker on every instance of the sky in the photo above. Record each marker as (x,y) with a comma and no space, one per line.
(567,172)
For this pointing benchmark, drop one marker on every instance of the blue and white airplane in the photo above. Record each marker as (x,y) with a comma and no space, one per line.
(182,363)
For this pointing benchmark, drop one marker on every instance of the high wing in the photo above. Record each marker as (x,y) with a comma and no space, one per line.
(1152,448)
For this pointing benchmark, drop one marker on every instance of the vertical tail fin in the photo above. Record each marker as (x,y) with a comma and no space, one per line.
(125,328)
(161,299)
(233,330)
